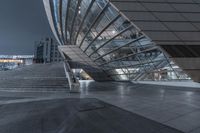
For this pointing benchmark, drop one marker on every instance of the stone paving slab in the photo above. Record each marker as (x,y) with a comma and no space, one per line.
(177,107)
(63,116)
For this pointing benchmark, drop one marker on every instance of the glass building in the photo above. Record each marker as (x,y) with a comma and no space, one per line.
(97,37)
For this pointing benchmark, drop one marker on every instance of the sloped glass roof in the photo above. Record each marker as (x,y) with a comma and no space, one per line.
(110,40)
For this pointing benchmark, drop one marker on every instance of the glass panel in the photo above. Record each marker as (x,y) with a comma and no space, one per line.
(94,12)
(56,4)
(64,15)
(84,5)
(71,14)
(100,26)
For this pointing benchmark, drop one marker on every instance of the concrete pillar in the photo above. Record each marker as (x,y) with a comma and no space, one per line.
(191,66)
(73,82)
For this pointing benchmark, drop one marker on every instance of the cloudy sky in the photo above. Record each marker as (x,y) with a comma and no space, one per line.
(21,23)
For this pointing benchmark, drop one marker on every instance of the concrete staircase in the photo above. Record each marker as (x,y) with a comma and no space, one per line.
(35,78)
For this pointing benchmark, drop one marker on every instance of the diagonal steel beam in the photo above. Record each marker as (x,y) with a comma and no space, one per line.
(66,20)
(129,56)
(93,23)
(83,20)
(130,42)
(73,20)
(112,38)
(109,24)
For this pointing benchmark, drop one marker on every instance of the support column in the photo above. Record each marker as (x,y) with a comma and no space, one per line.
(191,66)
(73,82)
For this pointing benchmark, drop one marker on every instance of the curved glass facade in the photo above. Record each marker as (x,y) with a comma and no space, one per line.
(109,39)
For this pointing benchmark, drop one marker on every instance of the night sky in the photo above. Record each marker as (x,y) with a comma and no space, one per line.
(22,22)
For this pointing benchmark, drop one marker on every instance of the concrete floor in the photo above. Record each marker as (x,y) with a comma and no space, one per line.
(74,115)
(177,107)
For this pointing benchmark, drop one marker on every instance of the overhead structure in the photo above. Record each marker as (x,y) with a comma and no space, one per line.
(174,25)
(95,36)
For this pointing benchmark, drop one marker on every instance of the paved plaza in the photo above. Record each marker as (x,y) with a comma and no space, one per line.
(44,104)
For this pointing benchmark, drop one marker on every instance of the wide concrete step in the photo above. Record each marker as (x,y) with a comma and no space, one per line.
(37,77)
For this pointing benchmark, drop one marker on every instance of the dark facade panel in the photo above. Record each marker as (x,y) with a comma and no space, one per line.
(183,50)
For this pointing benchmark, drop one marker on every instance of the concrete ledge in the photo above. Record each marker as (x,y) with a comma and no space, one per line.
(172,83)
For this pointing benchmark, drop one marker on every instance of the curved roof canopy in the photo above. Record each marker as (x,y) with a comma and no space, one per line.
(108,38)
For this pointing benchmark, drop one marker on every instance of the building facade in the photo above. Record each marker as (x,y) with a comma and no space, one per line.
(174,25)
(46,51)
(104,39)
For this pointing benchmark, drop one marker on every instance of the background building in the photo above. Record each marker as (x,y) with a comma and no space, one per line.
(8,62)
(46,51)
